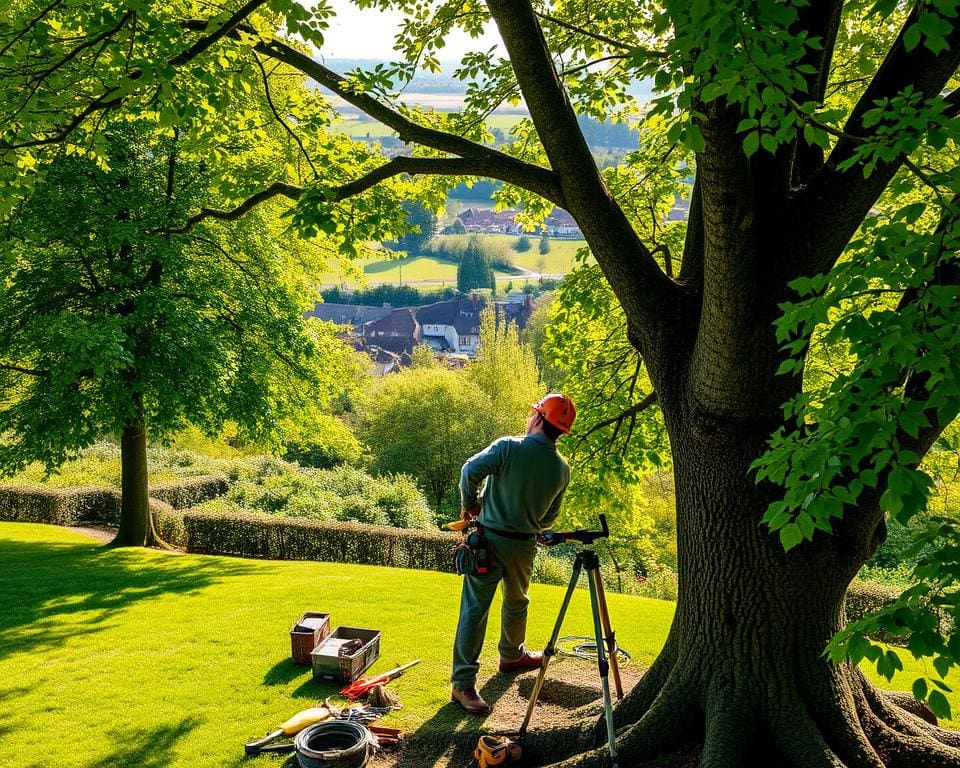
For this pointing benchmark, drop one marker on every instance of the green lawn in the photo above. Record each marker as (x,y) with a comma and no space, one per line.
(143,658)
(429,269)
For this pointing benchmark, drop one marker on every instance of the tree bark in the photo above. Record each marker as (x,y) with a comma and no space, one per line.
(136,523)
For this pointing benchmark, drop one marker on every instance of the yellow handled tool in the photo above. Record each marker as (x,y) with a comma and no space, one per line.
(289,727)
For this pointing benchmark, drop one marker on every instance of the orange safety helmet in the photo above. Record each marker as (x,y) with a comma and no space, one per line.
(558,410)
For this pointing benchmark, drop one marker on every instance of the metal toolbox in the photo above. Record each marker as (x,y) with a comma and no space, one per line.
(337,658)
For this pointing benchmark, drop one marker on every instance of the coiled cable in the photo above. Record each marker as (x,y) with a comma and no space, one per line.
(334,744)
(583,647)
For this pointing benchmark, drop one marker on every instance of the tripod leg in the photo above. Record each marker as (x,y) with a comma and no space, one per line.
(551,649)
(603,666)
(611,637)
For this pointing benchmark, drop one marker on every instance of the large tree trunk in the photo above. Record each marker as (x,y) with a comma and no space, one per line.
(743,671)
(136,523)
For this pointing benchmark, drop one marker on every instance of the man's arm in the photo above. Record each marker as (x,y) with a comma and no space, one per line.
(477,467)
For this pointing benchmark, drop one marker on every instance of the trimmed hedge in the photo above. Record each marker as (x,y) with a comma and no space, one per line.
(190,491)
(253,535)
(58,506)
(69,506)
(865,597)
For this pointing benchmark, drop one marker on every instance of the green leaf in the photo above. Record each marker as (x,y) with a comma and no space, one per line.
(790,536)
(939,705)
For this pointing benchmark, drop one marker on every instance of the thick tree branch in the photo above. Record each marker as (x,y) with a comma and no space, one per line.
(820,20)
(435,166)
(634,410)
(835,202)
(277,189)
(691,266)
(648,297)
(25,371)
(492,163)
(215,36)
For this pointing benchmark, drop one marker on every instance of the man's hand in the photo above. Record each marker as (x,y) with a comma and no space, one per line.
(548,539)
(467,516)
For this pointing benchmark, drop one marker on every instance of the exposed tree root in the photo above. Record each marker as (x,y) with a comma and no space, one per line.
(729,728)
(838,720)
(910,704)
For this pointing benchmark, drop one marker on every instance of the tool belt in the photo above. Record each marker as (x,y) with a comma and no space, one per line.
(474,555)
(517,535)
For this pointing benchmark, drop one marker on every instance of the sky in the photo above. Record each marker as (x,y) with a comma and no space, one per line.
(368,34)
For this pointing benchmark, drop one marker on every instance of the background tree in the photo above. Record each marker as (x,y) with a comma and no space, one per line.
(506,371)
(522,245)
(425,422)
(544,247)
(474,270)
(821,137)
(109,328)
(422,226)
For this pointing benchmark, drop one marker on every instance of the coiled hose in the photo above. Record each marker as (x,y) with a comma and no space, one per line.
(583,647)
(334,744)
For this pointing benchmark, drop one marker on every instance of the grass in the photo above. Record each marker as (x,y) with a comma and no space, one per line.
(430,269)
(361,129)
(159,659)
(144,658)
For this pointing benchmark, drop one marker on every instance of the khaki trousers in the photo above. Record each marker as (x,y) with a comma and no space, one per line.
(514,566)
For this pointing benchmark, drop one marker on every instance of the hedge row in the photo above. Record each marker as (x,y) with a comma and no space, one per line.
(69,506)
(283,538)
(865,597)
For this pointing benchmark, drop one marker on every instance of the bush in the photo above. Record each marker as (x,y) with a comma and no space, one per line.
(190,491)
(232,532)
(865,597)
(343,493)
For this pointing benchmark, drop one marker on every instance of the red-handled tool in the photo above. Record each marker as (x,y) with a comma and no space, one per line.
(360,688)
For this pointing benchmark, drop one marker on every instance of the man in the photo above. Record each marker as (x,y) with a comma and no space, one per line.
(525,481)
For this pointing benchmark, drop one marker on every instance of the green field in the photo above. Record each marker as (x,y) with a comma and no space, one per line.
(363,127)
(123,658)
(432,270)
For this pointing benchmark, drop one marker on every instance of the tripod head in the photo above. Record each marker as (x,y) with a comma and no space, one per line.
(584,536)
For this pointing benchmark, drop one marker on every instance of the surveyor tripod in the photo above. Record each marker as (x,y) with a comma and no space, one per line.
(606,656)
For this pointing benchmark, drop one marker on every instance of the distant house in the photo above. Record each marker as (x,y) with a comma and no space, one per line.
(452,326)
(483,220)
(397,332)
(352,315)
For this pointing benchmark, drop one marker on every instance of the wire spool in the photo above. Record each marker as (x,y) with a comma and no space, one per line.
(583,647)
(334,744)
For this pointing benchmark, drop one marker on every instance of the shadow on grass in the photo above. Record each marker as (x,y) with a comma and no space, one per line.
(52,591)
(283,672)
(451,732)
(147,749)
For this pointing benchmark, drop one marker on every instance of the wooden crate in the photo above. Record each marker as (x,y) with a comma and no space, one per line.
(330,664)
(307,633)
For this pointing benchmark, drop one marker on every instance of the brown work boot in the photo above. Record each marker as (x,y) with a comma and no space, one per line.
(526,661)
(470,700)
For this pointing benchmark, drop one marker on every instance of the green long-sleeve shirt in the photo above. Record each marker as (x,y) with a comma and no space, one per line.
(526,479)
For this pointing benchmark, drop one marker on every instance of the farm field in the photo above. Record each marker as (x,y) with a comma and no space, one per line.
(363,127)
(435,271)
